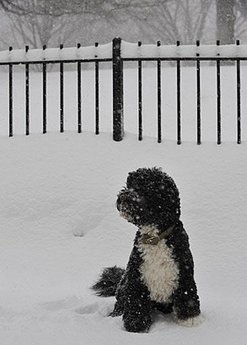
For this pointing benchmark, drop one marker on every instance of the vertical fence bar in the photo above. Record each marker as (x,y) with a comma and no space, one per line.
(96,95)
(178,99)
(238,99)
(10,97)
(27,94)
(79,92)
(117,75)
(44,95)
(61,94)
(218,98)
(198,88)
(140,124)
(159,96)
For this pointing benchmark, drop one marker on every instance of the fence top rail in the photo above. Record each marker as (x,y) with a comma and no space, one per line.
(91,53)
(169,52)
(40,62)
(129,52)
(197,58)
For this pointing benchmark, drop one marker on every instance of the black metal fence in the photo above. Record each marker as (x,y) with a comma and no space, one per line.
(219,61)
(118,62)
(44,70)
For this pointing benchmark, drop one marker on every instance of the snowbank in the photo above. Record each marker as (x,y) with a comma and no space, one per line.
(59,227)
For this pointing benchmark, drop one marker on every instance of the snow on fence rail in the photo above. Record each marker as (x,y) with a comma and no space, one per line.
(128,51)
(118,52)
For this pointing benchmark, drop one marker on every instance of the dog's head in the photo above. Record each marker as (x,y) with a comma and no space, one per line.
(149,198)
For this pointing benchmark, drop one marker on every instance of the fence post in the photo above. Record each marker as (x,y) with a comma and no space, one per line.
(10,97)
(117,70)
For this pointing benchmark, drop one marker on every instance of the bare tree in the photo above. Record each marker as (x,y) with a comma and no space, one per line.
(39,22)
(176,20)
(38,30)
(241,22)
(225,21)
(12,6)
(44,21)
(61,7)
(231,20)
(241,6)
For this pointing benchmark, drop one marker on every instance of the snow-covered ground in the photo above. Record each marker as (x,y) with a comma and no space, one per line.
(59,227)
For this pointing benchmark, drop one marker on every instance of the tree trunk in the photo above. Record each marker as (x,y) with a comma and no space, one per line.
(225,20)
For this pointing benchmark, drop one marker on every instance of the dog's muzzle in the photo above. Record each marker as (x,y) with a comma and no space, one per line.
(127,199)
(131,206)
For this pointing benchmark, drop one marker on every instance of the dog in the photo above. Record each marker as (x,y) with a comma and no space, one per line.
(160,271)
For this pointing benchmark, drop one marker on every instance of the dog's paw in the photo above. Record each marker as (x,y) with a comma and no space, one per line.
(191,321)
(137,325)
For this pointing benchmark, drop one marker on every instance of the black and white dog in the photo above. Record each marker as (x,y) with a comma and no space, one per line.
(160,271)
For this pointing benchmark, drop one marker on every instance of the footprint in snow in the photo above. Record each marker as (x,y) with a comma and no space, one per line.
(103,309)
(68,303)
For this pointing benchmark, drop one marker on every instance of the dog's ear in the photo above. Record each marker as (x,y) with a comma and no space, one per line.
(170,205)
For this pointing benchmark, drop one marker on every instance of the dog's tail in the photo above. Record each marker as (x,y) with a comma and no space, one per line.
(108,281)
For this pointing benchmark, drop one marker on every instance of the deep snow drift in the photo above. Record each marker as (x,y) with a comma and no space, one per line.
(59,227)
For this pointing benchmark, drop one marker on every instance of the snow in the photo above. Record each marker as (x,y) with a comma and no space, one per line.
(59,224)
(102,51)
(128,50)
(60,227)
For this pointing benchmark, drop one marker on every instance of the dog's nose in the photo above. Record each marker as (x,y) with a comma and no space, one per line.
(118,204)
(120,198)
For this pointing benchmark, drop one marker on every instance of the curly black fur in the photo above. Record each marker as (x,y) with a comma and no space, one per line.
(108,282)
(151,199)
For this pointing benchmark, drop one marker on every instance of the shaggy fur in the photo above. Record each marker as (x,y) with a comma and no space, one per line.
(160,271)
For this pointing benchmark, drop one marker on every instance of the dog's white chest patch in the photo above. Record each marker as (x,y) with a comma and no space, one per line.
(159,270)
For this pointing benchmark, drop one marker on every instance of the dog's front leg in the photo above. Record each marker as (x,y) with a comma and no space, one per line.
(135,295)
(186,302)
(137,309)
(186,305)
